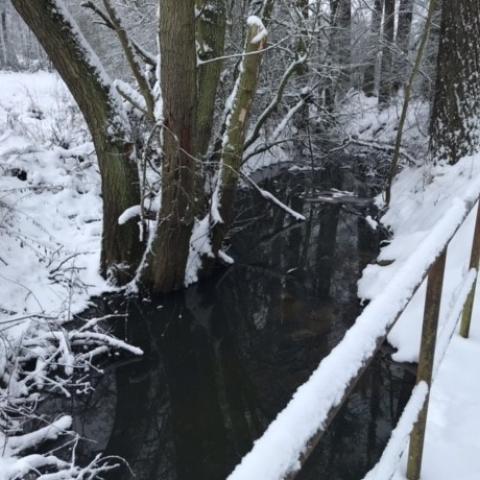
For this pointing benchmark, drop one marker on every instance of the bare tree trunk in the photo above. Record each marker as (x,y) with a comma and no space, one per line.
(373,49)
(340,51)
(237,122)
(428,80)
(456,108)
(8,56)
(210,35)
(302,117)
(75,62)
(386,78)
(166,261)
(405,15)
(210,30)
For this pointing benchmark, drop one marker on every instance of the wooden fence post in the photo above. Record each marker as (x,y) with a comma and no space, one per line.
(474,263)
(425,363)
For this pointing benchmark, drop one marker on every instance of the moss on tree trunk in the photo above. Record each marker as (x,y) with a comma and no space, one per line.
(69,53)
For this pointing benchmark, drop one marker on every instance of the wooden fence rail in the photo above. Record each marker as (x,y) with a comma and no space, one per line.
(378,318)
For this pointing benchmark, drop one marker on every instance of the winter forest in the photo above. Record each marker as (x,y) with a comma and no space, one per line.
(239,239)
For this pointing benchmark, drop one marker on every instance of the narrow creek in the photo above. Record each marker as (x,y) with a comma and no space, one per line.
(225,356)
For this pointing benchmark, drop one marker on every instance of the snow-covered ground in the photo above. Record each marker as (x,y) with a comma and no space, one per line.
(420,198)
(51,216)
(50,229)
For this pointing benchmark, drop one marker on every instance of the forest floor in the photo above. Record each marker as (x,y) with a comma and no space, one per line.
(50,230)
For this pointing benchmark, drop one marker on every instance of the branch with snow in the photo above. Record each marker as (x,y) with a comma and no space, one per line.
(293,67)
(271,198)
(48,358)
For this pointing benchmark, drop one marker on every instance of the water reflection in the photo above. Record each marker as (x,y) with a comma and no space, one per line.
(224,357)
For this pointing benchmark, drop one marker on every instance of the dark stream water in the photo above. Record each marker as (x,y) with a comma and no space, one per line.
(225,356)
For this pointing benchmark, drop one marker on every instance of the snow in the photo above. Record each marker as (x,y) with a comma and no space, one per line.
(50,231)
(268,196)
(225,257)
(371,222)
(37,246)
(366,123)
(200,246)
(254,21)
(29,440)
(387,464)
(420,198)
(445,201)
(129,214)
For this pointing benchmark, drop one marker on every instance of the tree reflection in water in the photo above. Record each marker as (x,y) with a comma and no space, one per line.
(225,356)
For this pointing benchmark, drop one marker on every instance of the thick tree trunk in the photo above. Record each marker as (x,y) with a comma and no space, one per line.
(373,49)
(454,126)
(234,139)
(80,70)
(386,77)
(166,261)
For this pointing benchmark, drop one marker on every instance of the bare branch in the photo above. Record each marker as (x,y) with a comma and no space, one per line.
(131,58)
(275,101)
(147,57)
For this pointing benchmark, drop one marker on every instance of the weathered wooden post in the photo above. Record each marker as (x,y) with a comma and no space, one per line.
(425,363)
(474,263)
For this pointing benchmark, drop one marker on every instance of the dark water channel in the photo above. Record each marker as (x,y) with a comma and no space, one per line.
(225,356)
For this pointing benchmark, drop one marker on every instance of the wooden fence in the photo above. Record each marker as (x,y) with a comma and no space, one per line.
(265,459)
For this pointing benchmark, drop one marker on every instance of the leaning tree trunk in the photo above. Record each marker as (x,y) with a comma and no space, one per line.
(373,49)
(166,260)
(236,127)
(386,78)
(90,87)
(454,127)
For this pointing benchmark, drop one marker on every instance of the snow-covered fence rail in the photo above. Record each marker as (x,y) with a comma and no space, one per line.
(288,441)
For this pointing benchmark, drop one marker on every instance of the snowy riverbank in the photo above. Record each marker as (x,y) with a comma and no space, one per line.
(420,198)
(50,231)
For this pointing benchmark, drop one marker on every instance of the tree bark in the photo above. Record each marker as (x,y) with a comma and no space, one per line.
(78,67)
(386,78)
(164,270)
(210,35)
(405,16)
(373,49)
(456,108)
(340,51)
(8,57)
(234,139)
